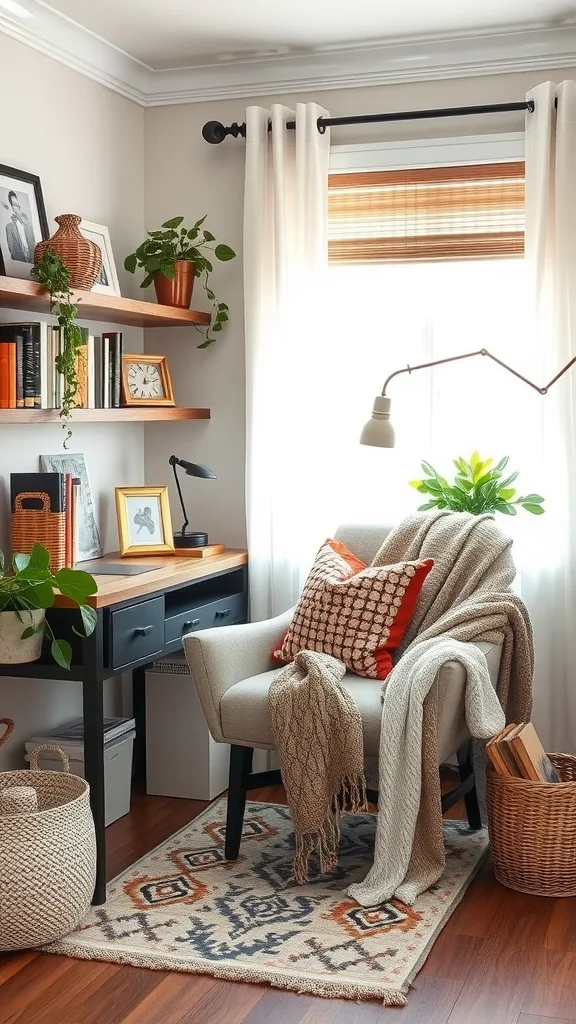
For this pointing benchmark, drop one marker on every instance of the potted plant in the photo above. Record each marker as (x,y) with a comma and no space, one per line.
(52,272)
(172,257)
(26,591)
(476,488)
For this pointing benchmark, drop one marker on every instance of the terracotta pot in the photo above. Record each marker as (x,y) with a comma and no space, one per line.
(14,650)
(178,291)
(82,257)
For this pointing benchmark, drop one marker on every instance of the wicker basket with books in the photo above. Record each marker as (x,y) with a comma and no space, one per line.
(531,813)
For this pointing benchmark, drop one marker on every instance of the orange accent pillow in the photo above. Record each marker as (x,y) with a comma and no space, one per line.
(358,617)
(351,562)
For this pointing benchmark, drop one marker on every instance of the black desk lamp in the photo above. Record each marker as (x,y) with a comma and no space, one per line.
(185,538)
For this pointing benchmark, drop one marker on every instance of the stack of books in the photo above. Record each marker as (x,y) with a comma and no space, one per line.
(63,491)
(517,752)
(28,375)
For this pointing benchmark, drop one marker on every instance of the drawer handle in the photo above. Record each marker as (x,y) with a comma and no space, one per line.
(223,613)
(143,630)
(190,622)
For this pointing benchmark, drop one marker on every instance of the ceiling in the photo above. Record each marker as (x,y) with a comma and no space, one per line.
(157,52)
(183,33)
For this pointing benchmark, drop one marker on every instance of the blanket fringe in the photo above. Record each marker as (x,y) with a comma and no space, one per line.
(350,798)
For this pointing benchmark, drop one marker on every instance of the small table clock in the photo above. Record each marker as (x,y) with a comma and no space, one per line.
(146,380)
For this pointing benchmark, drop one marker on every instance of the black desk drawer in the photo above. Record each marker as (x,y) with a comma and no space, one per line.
(222,612)
(137,632)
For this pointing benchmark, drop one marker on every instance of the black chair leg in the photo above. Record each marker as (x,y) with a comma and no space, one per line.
(240,769)
(466,770)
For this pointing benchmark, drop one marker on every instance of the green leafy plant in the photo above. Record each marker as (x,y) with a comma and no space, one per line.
(53,274)
(30,585)
(174,242)
(476,488)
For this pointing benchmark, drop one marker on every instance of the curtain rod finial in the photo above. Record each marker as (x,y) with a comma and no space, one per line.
(214,132)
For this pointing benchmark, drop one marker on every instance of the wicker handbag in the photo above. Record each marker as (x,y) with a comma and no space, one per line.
(47,855)
(39,525)
(532,829)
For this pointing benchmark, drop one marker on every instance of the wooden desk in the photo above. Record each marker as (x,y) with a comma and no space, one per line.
(139,619)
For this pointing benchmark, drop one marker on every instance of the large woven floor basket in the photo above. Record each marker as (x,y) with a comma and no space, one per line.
(533,831)
(47,857)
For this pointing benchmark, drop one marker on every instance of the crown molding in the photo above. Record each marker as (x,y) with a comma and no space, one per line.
(408,60)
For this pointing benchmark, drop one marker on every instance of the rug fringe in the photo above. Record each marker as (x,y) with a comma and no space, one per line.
(327,989)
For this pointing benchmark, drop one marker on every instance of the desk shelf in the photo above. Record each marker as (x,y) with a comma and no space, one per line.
(28,295)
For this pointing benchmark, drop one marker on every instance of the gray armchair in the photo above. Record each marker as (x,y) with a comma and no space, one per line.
(232,669)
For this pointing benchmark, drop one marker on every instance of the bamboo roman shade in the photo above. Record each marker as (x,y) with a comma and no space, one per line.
(428,213)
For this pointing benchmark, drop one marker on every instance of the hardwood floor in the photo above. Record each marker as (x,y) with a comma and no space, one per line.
(503,958)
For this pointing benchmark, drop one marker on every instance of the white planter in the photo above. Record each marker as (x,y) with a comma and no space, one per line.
(13,650)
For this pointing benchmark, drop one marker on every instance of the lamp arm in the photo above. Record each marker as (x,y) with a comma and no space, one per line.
(481,352)
(172,461)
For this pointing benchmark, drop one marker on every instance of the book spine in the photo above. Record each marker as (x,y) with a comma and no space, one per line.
(44,403)
(37,372)
(106,372)
(12,375)
(91,373)
(115,350)
(4,375)
(68,506)
(19,372)
(75,519)
(98,396)
(28,371)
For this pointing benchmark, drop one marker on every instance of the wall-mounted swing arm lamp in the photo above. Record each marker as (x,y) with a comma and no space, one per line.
(379,432)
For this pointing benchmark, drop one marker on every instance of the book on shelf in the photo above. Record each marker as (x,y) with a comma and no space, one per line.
(517,752)
(29,378)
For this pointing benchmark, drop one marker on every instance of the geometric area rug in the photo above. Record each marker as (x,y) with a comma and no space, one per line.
(182,907)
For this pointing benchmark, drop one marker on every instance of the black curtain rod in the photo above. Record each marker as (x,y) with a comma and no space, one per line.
(215,132)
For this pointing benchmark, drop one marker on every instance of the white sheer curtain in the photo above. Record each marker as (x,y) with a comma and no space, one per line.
(285,259)
(548,578)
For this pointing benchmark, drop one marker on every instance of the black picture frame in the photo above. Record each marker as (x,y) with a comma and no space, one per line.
(29,179)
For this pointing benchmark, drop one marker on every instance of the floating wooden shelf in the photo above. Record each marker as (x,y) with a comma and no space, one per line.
(17,294)
(133,414)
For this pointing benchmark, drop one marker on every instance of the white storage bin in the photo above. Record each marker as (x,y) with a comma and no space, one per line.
(182,759)
(117,770)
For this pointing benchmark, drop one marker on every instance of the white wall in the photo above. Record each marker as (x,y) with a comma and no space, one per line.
(184,175)
(86,143)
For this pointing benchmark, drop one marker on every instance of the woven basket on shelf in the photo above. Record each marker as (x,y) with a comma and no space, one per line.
(533,830)
(47,857)
(39,526)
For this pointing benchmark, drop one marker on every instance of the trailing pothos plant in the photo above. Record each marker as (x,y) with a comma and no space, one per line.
(174,242)
(53,274)
(30,585)
(478,487)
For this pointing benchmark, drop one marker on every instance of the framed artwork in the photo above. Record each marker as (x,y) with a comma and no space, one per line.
(107,282)
(144,524)
(89,545)
(146,380)
(22,220)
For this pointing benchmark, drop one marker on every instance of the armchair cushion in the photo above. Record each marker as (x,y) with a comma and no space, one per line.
(245,718)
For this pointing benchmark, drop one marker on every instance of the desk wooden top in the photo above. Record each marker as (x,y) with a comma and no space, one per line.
(173,571)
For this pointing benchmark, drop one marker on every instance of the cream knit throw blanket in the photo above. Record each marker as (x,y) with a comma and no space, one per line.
(318,731)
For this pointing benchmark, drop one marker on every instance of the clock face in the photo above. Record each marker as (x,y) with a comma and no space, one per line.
(145,381)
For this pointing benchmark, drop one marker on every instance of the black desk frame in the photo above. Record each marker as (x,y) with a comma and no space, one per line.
(92,671)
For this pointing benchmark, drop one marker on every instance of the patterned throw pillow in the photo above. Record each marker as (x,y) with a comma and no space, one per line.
(356,615)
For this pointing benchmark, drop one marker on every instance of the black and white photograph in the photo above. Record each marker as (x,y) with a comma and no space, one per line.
(89,545)
(23,220)
(144,521)
(107,281)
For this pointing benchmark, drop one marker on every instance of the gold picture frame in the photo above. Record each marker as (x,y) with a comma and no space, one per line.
(139,360)
(144,529)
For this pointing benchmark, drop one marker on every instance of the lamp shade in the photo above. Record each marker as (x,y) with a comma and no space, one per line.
(378,431)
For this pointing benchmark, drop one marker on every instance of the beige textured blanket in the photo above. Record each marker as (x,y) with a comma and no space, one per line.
(318,730)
